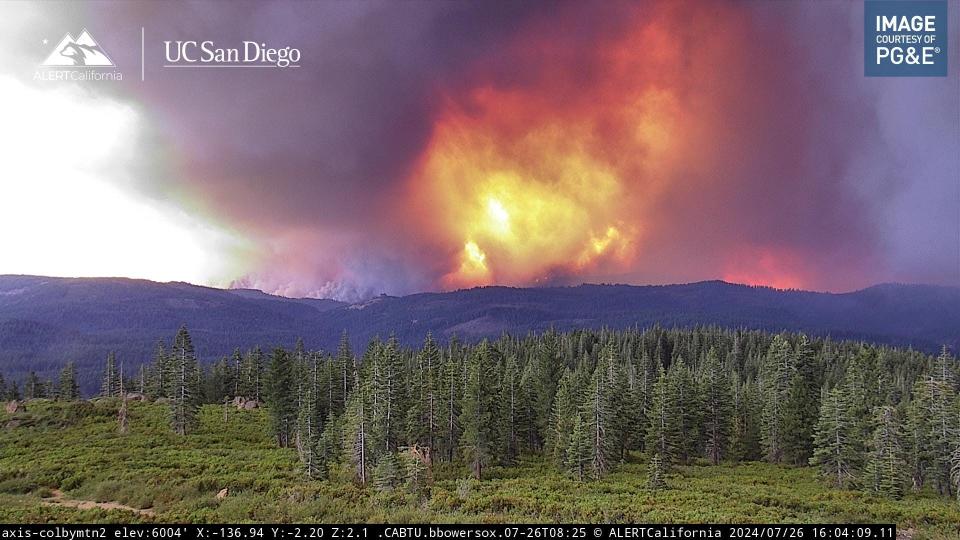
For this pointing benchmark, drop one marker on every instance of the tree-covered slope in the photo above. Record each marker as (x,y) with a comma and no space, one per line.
(46,321)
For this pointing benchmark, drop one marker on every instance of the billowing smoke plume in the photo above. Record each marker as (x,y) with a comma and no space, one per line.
(428,146)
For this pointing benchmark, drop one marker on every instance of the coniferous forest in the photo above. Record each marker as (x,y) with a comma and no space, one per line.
(585,405)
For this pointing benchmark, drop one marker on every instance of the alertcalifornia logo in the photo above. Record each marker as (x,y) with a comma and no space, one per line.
(905,38)
(77,59)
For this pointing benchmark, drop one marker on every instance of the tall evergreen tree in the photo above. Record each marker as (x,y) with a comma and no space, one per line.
(68,390)
(356,431)
(599,416)
(184,383)
(220,384)
(564,414)
(449,397)
(253,375)
(578,455)
(308,433)
(479,439)
(778,372)
(388,396)
(111,379)
(885,466)
(33,388)
(833,451)
(236,365)
(161,375)
(663,430)
(280,395)
(717,412)
(549,367)
(656,470)
(745,425)
(801,409)
(345,362)
(687,406)
(511,395)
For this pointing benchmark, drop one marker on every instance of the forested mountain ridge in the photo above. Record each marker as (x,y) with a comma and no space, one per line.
(877,419)
(46,321)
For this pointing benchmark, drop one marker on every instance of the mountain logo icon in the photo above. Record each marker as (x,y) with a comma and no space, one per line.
(82,51)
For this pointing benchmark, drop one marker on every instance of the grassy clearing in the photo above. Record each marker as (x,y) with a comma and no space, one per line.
(74,447)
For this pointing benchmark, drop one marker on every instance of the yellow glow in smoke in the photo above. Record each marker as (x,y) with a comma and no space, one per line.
(474,262)
(66,207)
(520,214)
(499,216)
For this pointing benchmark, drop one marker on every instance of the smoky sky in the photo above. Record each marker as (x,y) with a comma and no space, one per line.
(804,167)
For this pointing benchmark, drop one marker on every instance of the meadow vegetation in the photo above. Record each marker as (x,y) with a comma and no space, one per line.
(75,446)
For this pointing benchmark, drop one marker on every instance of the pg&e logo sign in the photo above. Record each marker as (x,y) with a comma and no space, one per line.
(905,38)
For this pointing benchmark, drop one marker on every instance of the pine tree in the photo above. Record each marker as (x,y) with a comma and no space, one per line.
(533,439)
(111,379)
(122,419)
(802,406)
(663,432)
(281,398)
(33,388)
(253,378)
(308,433)
(479,439)
(386,473)
(417,424)
(745,427)
(955,468)
(416,474)
(327,447)
(161,375)
(885,467)
(388,397)
(656,470)
(942,412)
(833,451)
(564,413)
(68,389)
(345,362)
(13,392)
(449,396)
(220,384)
(860,388)
(236,365)
(945,370)
(357,443)
(686,404)
(577,455)
(183,383)
(548,366)
(716,401)
(511,409)
(636,394)
(598,414)
(778,372)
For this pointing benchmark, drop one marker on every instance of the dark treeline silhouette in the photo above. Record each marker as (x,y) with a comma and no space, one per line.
(45,321)
(869,417)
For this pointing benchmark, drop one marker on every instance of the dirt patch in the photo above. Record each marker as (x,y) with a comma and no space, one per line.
(57,499)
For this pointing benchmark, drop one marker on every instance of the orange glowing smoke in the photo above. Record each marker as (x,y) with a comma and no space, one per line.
(565,175)
(778,269)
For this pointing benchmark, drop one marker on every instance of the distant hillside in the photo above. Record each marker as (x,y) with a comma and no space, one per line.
(46,321)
